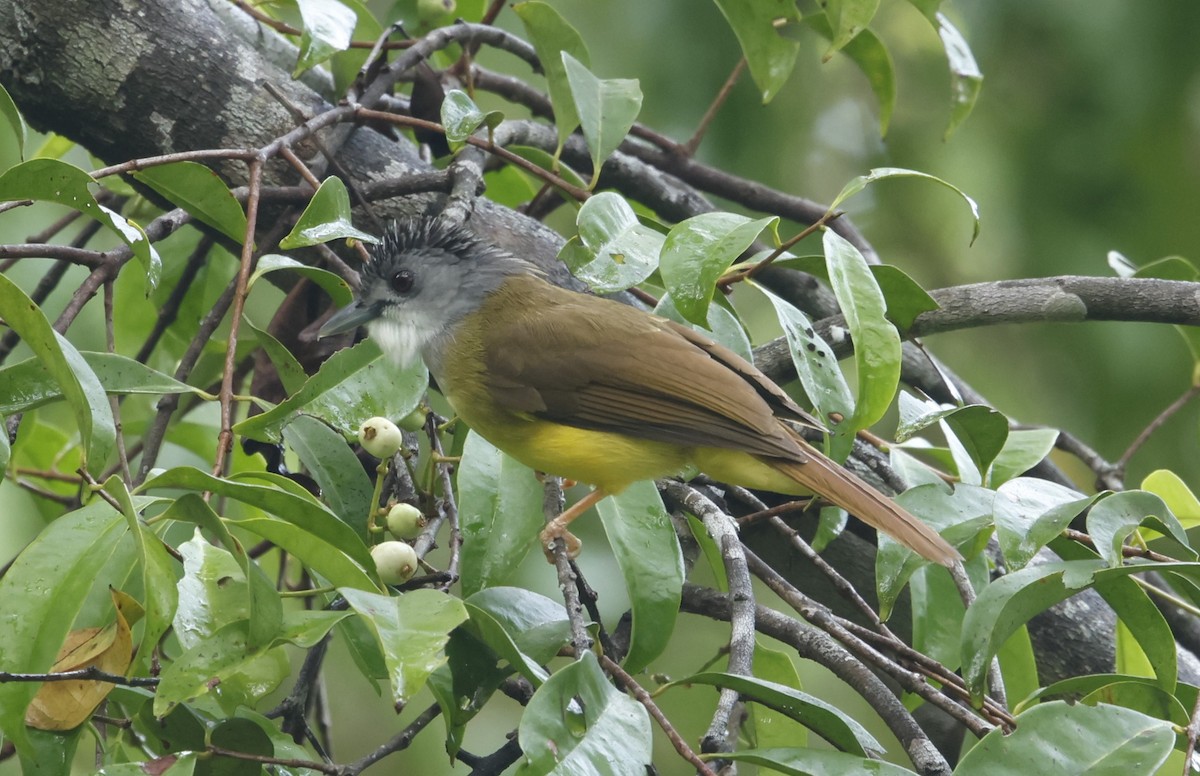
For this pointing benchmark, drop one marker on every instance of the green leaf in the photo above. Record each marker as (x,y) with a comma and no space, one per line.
(720,324)
(848,18)
(8,109)
(333,285)
(49,753)
(1130,657)
(1109,688)
(43,590)
(882,173)
(243,736)
(829,722)
(647,552)
(467,681)
(5,451)
(499,620)
(905,298)
(536,624)
(291,375)
(66,366)
(551,36)
(549,162)
(1010,601)
(937,614)
(352,385)
(876,341)
(208,574)
(158,574)
(698,251)
(607,109)
(1023,449)
(1030,513)
(614,250)
(1176,494)
(1114,519)
(1135,609)
(198,190)
(30,384)
(962,515)
(461,116)
(770,727)
(305,527)
(326,218)
(1018,665)
(578,723)
(976,432)
(814,762)
(500,510)
(345,487)
(219,656)
(1066,739)
(816,367)
(412,629)
(771,56)
(53,181)
(965,77)
(328,27)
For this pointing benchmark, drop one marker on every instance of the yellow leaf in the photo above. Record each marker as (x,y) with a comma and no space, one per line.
(66,705)
(1175,493)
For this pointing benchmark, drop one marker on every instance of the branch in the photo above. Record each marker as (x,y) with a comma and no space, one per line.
(814,645)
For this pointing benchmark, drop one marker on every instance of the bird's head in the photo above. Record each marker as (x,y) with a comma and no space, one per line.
(425,276)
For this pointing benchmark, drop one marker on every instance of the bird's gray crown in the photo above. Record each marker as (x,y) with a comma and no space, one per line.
(424,276)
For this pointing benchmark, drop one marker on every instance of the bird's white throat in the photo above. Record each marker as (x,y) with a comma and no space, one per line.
(400,336)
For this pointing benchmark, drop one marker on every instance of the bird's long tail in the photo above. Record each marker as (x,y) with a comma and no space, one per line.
(822,475)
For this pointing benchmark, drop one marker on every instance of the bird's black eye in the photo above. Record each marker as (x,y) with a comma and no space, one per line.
(402,281)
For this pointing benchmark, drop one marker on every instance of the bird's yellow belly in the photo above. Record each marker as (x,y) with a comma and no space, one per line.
(611,462)
(608,461)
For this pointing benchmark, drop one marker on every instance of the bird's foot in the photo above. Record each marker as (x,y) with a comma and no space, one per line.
(555,531)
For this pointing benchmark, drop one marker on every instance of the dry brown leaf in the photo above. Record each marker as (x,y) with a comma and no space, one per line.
(66,705)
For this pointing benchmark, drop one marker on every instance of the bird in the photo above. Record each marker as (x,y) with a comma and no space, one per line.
(592,389)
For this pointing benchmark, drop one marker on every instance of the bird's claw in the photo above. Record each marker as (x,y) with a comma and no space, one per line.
(552,533)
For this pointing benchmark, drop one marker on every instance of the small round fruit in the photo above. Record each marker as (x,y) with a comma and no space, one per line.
(415,420)
(396,562)
(405,521)
(428,10)
(380,437)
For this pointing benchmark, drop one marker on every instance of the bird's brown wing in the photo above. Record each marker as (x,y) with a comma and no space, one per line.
(597,364)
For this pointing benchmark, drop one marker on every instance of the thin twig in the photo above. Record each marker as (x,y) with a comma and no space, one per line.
(225,437)
(726,89)
(643,697)
(1154,425)
(399,742)
(90,673)
(1193,732)
(1109,476)
(287,762)
(552,506)
(449,508)
(840,583)
(170,309)
(508,156)
(750,272)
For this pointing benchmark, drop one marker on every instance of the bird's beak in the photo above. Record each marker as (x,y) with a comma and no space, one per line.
(349,318)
